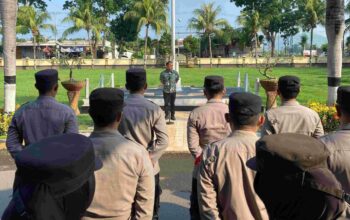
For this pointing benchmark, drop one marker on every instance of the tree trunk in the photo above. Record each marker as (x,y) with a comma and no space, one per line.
(34,50)
(113,49)
(273,40)
(311,41)
(210,53)
(334,29)
(91,48)
(145,49)
(256,49)
(8,11)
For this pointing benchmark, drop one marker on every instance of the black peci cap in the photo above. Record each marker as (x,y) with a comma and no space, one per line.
(103,100)
(289,84)
(64,162)
(244,104)
(46,77)
(136,76)
(214,82)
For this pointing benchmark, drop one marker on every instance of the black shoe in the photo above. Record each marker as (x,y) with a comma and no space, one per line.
(173,118)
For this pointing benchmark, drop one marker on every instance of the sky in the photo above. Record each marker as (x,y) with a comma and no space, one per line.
(184,9)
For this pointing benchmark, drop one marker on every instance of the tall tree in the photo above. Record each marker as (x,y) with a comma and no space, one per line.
(191,45)
(303,41)
(82,16)
(30,20)
(40,4)
(313,14)
(335,30)
(250,21)
(8,11)
(151,14)
(206,21)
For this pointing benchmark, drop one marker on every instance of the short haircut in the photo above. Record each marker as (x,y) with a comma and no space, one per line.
(102,118)
(44,89)
(169,62)
(240,121)
(135,87)
(286,94)
(344,110)
(215,90)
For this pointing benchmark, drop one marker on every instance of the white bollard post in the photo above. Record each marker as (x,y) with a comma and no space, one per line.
(112,80)
(246,83)
(239,80)
(87,88)
(102,81)
(257,86)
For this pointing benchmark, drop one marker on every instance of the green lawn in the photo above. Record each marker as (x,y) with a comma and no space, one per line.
(314,81)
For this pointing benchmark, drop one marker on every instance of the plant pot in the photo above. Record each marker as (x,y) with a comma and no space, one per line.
(73,92)
(270,86)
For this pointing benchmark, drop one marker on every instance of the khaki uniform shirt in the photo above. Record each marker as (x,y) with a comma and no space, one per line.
(291,117)
(125,180)
(225,183)
(144,122)
(339,162)
(205,125)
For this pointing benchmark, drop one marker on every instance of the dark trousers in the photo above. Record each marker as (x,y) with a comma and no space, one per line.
(194,207)
(169,103)
(158,191)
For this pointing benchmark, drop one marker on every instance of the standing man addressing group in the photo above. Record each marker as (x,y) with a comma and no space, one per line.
(143,121)
(41,118)
(205,125)
(291,117)
(169,78)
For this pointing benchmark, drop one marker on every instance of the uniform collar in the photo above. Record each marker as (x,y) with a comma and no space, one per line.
(244,133)
(46,97)
(290,103)
(135,95)
(214,101)
(105,132)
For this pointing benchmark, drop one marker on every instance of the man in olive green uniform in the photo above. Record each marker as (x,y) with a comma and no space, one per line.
(291,117)
(125,184)
(225,183)
(205,125)
(339,142)
(169,78)
(144,122)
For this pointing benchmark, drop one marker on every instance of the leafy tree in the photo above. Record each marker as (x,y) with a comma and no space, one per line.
(40,4)
(151,14)
(124,31)
(82,16)
(303,41)
(313,14)
(191,45)
(205,21)
(324,48)
(30,20)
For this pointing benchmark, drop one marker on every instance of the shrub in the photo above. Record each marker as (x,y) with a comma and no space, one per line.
(5,120)
(328,115)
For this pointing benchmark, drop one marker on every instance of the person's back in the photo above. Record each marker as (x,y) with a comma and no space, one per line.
(225,184)
(125,185)
(291,117)
(338,142)
(126,168)
(42,118)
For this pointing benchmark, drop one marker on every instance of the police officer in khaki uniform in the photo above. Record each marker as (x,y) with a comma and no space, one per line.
(291,117)
(206,124)
(339,142)
(144,122)
(41,118)
(225,183)
(125,184)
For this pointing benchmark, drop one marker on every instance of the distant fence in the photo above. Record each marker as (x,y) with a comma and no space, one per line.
(193,62)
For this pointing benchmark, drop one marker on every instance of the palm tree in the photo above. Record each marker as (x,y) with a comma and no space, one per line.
(335,31)
(206,22)
(83,18)
(32,21)
(250,21)
(151,14)
(8,11)
(303,41)
(314,14)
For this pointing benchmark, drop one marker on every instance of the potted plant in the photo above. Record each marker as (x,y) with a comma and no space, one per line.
(269,83)
(73,86)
